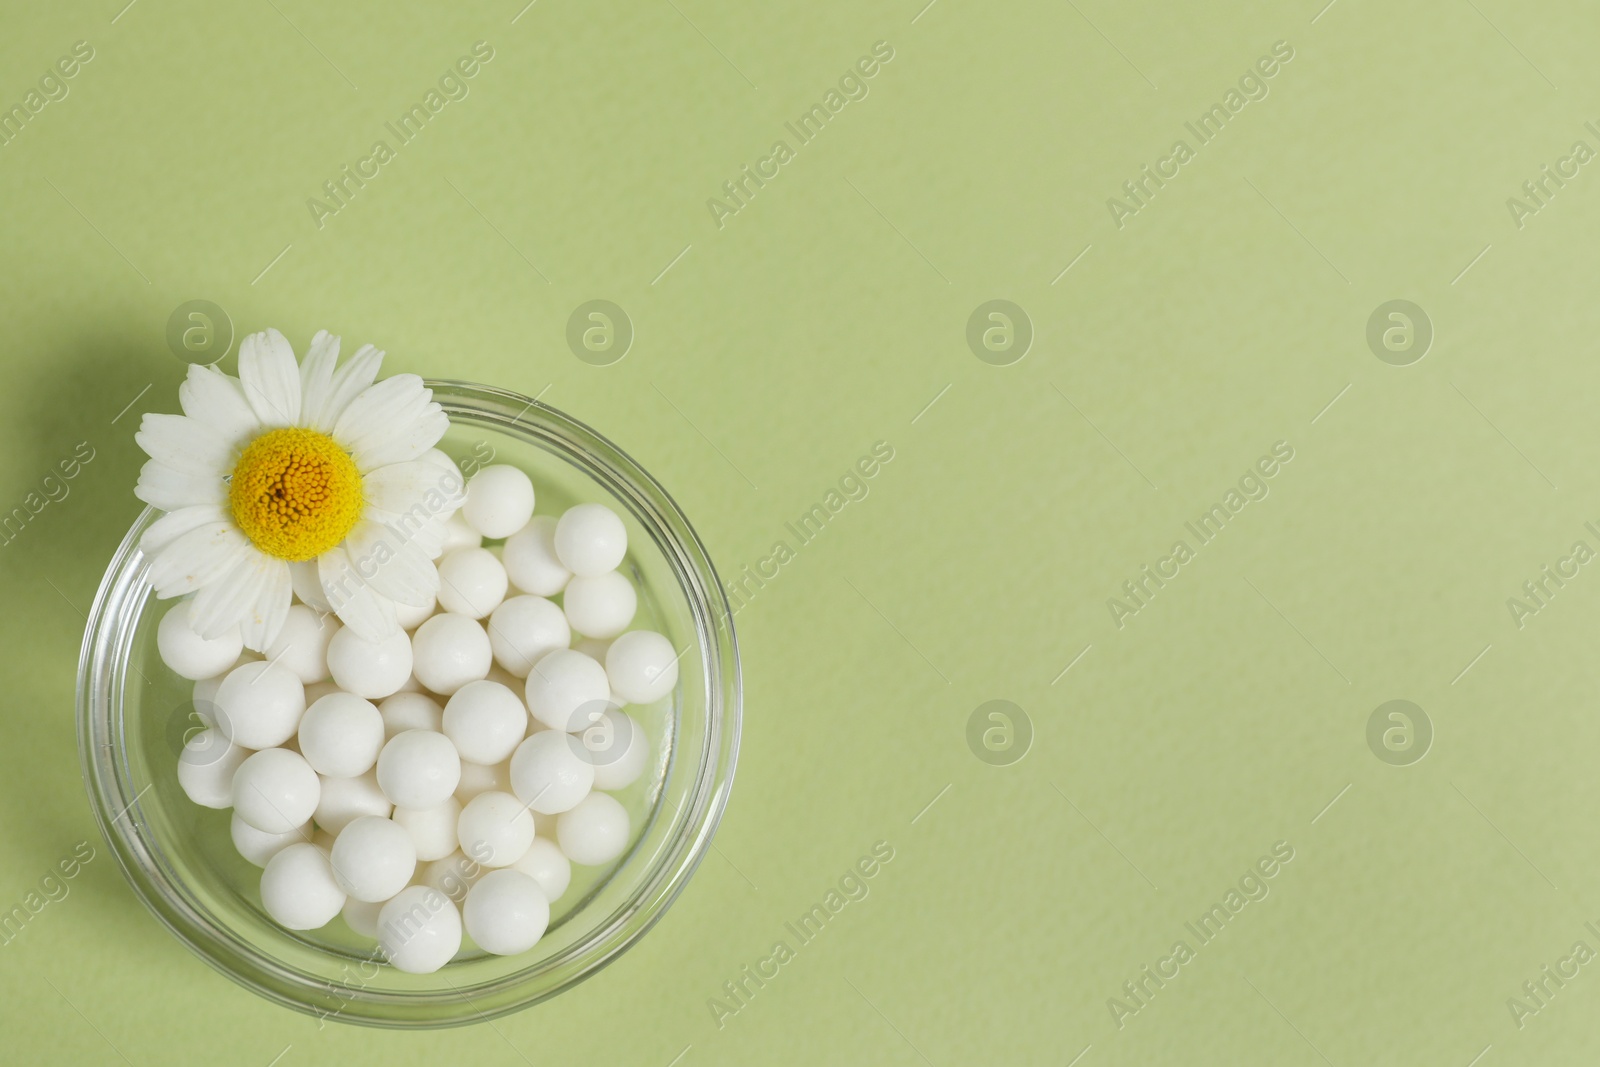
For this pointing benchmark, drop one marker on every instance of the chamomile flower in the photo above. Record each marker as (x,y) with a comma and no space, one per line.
(311,479)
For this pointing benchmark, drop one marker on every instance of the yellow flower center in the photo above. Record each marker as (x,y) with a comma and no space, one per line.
(295,493)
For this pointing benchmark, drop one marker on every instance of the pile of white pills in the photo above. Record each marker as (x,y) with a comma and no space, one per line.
(437,786)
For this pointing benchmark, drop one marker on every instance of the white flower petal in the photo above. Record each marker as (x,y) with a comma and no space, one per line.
(316,376)
(217,400)
(163,487)
(229,600)
(415,499)
(418,434)
(393,564)
(451,481)
(400,487)
(356,603)
(441,459)
(394,421)
(184,444)
(198,558)
(175,524)
(270,377)
(427,532)
(349,382)
(271,607)
(307,586)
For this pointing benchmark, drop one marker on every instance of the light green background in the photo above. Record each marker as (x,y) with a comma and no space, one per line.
(825,316)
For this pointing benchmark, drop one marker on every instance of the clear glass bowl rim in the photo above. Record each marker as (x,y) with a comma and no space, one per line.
(116,806)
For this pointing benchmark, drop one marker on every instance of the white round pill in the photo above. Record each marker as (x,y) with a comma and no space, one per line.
(410,711)
(499,501)
(483,778)
(362,916)
(190,655)
(590,539)
(486,721)
(617,747)
(524,629)
(419,930)
(346,799)
(594,832)
(506,912)
(302,643)
(432,830)
(562,684)
(600,605)
(530,559)
(373,858)
(451,650)
(546,864)
(341,735)
(551,772)
(275,790)
(258,846)
(472,582)
(418,769)
(495,829)
(206,768)
(453,875)
(371,669)
(642,666)
(410,616)
(298,890)
(259,704)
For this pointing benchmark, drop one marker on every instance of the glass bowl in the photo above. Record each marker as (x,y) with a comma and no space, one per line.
(134,713)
